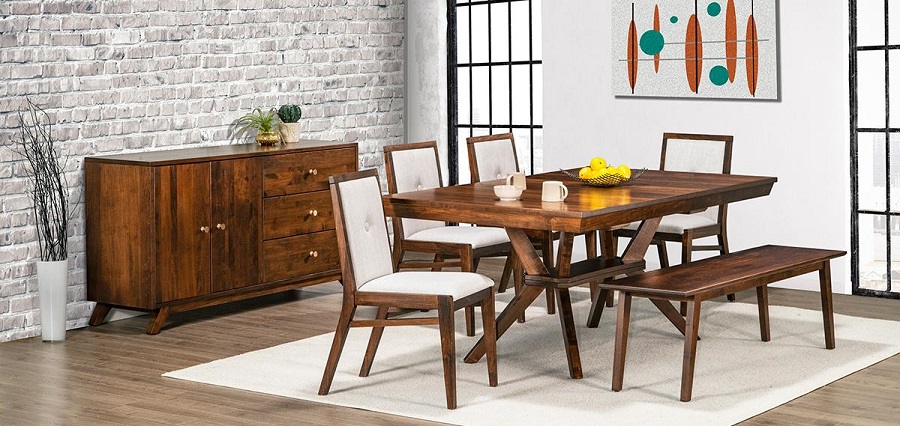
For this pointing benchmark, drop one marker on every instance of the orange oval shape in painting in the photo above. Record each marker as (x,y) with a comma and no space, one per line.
(656,28)
(752,56)
(632,55)
(731,40)
(693,53)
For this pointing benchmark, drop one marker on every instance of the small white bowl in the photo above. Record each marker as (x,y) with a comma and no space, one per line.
(507,192)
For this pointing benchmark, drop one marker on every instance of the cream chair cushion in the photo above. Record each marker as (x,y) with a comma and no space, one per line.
(698,156)
(455,284)
(495,159)
(415,170)
(476,236)
(367,237)
(678,223)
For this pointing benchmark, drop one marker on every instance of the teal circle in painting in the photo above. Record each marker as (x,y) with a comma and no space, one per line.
(673,19)
(714,9)
(652,42)
(718,75)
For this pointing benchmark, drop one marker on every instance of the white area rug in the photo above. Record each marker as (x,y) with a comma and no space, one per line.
(737,376)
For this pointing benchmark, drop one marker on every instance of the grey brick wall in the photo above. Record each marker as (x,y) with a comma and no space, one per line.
(132,75)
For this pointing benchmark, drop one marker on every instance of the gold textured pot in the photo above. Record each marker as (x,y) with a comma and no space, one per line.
(267,138)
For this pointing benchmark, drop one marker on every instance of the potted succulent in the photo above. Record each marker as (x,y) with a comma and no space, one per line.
(49,196)
(264,123)
(289,127)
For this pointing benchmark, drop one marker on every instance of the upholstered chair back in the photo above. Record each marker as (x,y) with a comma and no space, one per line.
(362,215)
(494,159)
(413,168)
(697,153)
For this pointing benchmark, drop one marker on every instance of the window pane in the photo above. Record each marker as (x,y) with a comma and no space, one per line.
(520,31)
(894,83)
(500,92)
(873,251)
(521,91)
(537,149)
(870,89)
(895,170)
(537,32)
(894,27)
(480,99)
(462,35)
(464,102)
(538,89)
(894,284)
(479,33)
(870,22)
(463,156)
(500,32)
(523,149)
(871,171)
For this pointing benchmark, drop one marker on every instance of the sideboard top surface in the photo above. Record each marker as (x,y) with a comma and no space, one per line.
(189,155)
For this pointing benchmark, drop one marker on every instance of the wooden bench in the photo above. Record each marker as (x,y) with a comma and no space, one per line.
(713,277)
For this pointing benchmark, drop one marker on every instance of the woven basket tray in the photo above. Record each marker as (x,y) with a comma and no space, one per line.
(606,181)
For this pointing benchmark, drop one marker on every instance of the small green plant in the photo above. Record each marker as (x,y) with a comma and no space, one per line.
(289,113)
(262,121)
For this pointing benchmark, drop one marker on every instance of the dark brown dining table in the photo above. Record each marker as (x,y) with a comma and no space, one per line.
(646,199)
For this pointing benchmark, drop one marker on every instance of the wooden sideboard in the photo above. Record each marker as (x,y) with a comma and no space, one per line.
(175,230)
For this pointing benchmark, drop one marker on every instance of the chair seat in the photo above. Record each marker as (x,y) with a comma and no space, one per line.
(476,236)
(455,284)
(678,223)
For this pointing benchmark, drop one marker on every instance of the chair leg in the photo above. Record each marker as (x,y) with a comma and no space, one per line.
(374,340)
(467,263)
(397,257)
(590,243)
(609,248)
(663,253)
(437,258)
(596,312)
(448,348)
(489,324)
(519,283)
(507,273)
(692,328)
(762,301)
(337,346)
(687,246)
(723,249)
(622,321)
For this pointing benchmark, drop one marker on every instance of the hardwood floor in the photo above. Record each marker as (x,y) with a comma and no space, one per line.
(111,374)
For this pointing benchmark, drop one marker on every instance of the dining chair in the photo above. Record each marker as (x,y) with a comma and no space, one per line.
(369,279)
(687,152)
(414,167)
(494,157)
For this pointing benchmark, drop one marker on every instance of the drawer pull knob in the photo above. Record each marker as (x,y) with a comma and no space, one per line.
(313,254)
(204,229)
(221,226)
(313,212)
(313,171)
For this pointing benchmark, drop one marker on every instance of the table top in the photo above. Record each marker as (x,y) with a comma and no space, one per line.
(653,194)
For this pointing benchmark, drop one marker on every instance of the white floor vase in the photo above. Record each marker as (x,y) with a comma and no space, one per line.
(53,281)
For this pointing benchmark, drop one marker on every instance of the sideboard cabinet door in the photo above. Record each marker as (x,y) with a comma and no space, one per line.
(235,228)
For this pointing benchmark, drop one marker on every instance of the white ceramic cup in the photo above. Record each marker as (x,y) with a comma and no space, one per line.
(516,179)
(554,191)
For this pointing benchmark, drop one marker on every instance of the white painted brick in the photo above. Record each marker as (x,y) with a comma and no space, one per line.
(132,75)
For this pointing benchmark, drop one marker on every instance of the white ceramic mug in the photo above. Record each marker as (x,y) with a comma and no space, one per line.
(554,191)
(516,179)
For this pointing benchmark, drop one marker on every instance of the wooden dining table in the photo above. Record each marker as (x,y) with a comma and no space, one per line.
(647,199)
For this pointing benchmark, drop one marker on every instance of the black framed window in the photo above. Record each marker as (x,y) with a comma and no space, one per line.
(495,78)
(875,147)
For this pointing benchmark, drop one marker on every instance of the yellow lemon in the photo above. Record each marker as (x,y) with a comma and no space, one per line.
(624,171)
(598,163)
(585,173)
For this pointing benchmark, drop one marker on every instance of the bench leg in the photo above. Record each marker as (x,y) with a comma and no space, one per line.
(690,349)
(762,302)
(622,320)
(827,303)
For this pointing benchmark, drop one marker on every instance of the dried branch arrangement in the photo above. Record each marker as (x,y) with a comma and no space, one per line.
(49,191)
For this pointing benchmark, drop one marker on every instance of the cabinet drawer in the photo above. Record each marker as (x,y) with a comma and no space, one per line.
(297,214)
(306,171)
(292,257)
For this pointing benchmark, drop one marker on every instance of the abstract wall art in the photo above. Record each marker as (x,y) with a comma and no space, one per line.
(695,48)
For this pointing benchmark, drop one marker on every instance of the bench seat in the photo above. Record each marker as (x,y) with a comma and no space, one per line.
(713,277)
